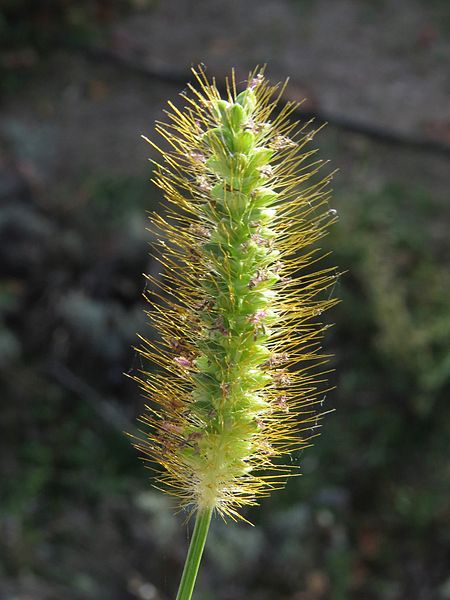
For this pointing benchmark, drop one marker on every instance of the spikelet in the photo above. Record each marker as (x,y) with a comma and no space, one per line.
(238,345)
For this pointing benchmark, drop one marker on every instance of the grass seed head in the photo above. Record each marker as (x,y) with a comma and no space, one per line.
(235,306)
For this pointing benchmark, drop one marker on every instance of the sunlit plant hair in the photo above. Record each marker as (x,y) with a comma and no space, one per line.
(239,367)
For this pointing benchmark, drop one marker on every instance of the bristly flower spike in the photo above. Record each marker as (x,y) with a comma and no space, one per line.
(238,344)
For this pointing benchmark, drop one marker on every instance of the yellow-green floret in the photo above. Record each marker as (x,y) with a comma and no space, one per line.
(235,306)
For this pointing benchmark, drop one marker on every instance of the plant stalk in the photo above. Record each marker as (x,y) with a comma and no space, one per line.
(202,522)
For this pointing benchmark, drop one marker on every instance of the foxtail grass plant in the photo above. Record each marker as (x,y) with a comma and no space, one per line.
(240,377)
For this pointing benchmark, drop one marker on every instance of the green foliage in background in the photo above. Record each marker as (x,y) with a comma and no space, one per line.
(31,29)
(373,489)
(39,24)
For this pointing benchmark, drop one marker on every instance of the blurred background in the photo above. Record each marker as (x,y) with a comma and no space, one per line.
(79,82)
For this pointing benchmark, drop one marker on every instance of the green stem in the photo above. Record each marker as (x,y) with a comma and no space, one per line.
(194,556)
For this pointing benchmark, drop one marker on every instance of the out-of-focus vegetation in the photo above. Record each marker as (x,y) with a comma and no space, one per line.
(30,29)
(374,487)
(38,25)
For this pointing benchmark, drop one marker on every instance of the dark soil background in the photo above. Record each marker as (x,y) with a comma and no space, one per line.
(79,82)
